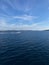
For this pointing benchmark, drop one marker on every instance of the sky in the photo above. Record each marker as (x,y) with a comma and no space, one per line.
(24,14)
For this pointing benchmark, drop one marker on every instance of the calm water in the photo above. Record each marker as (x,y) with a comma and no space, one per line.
(25,48)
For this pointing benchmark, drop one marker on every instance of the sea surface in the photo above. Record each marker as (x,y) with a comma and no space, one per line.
(24,48)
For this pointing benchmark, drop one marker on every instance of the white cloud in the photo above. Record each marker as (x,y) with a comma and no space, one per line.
(25,17)
(36,26)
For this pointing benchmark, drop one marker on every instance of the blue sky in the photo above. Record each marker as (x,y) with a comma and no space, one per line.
(24,14)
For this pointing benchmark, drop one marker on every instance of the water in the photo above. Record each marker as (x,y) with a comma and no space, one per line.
(25,48)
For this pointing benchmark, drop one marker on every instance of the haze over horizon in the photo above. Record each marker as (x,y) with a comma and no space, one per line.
(24,14)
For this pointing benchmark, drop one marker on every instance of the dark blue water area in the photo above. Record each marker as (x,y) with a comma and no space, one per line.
(25,48)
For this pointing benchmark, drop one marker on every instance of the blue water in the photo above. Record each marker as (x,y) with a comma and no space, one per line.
(25,48)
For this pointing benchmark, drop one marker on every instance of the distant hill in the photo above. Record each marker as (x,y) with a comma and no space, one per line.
(14,30)
(46,30)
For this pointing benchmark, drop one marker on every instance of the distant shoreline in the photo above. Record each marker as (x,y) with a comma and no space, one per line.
(20,30)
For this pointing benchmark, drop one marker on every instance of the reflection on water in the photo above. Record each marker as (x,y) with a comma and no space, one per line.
(10,32)
(27,48)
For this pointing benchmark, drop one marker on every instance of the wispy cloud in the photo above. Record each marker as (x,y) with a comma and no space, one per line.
(35,26)
(18,5)
(15,5)
(10,3)
(4,8)
(25,17)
